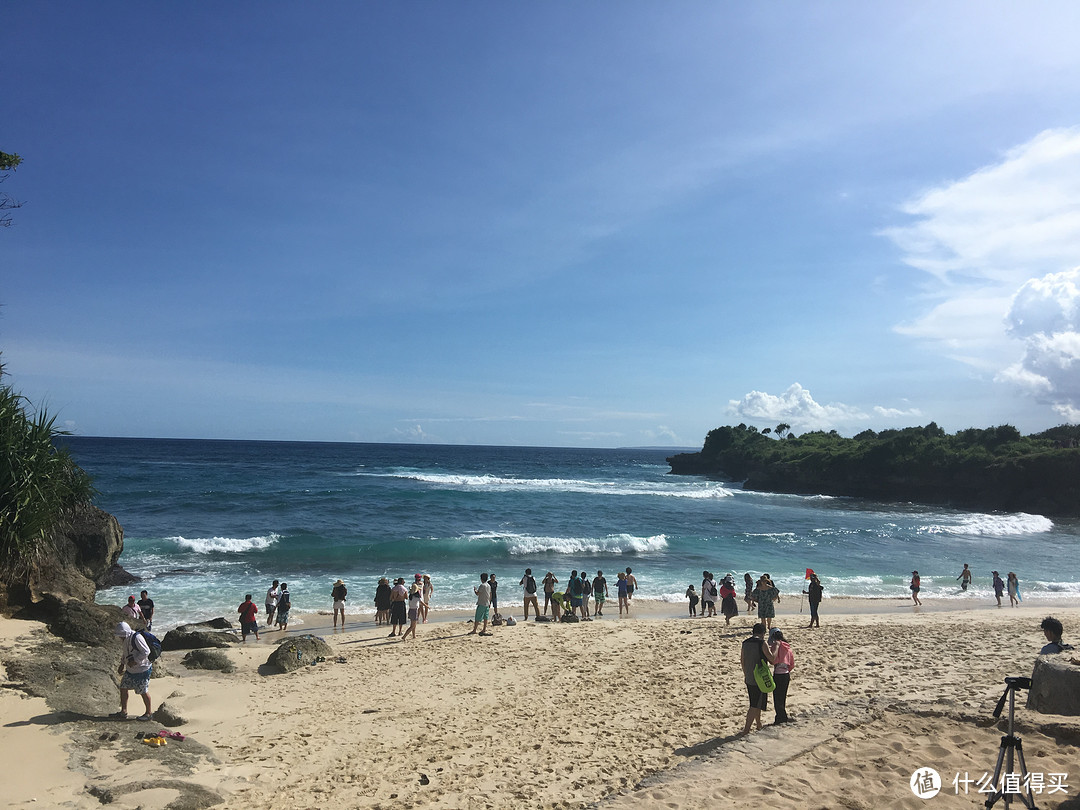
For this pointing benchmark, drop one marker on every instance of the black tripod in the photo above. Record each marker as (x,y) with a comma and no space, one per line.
(1009,743)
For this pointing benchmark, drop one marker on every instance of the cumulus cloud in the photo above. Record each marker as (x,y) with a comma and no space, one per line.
(796,407)
(1045,315)
(994,245)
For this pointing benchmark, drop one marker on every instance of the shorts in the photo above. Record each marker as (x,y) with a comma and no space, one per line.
(270,608)
(575,601)
(249,627)
(138,682)
(599,597)
(397,612)
(339,604)
(481,614)
(414,613)
(283,617)
(758,699)
(529,596)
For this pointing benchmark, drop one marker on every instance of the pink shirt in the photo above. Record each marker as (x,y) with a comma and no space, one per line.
(785,659)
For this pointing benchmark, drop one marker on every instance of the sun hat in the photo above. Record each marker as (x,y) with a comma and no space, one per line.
(123,630)
(339,582)
(418,576)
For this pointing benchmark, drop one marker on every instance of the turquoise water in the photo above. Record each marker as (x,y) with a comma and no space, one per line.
(207,521)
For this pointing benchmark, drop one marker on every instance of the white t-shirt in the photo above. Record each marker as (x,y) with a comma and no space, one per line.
(135,645)
(272,597)
(483,594)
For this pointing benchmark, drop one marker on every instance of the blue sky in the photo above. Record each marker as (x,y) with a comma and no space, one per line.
(577,224)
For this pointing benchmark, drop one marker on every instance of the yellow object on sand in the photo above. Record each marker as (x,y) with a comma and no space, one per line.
(156,741)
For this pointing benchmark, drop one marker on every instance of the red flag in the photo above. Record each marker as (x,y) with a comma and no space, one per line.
(809,573)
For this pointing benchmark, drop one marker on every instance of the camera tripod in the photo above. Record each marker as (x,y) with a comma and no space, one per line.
(1010,743)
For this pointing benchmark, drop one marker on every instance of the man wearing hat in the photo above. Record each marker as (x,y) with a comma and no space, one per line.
(338,595)
(134,669)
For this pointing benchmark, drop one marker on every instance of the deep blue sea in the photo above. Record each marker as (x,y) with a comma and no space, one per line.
(207,521)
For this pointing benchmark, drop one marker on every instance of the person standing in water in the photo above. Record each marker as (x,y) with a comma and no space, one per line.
(528,583)
(965,578)
(1014,589)
(631,584)
(915,586)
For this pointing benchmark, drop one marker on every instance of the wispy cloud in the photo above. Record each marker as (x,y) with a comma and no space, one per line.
(996,245)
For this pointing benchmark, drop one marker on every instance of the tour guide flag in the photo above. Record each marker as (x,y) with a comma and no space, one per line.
(809,573)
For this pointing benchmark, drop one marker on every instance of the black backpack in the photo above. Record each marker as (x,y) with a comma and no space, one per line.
(530,585)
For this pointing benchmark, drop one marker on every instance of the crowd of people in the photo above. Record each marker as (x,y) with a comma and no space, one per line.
(966,578)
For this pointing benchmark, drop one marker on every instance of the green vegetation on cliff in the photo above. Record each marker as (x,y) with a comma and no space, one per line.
(995,468)
(40,485)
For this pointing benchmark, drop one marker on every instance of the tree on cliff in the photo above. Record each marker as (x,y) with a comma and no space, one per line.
(7,202)
(40,485)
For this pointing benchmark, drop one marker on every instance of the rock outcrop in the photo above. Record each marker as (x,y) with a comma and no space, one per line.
(198,636)
(82,558)
(1055,684)
(298,652)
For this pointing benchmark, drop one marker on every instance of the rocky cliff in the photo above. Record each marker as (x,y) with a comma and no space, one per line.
(82,558)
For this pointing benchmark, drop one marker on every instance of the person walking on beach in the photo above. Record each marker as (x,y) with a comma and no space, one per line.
(271,602)
(600,592)
(753,650)
(132,611)
(748,591)
(248,624)
(624,599)
(416,601)
(398,597)
(338,594)
(483,605)
(1013,585)
(813,591)
(382,601)
(965,578)
(134,671)
(784,663)
(916,586)
(691,594)
(528,584)
(729,605)
(549,588)
(146,605)
(284,605)
(709,594)
(766,594)
(428,592)
(631,584)
(999,587)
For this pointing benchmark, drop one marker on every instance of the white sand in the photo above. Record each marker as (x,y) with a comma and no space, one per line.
(638,712)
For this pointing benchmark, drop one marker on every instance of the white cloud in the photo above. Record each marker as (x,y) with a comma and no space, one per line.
(897,413)
(1045,315)
(994,244)
(796,407)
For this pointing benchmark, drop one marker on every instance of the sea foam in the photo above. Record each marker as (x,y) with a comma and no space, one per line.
(992,525)
(226,545)
(494,483)
(525,544)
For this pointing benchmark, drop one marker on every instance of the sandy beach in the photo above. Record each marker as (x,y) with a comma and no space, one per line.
(612,713)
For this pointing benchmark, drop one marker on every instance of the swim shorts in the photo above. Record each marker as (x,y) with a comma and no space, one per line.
(138,682)
(481,614)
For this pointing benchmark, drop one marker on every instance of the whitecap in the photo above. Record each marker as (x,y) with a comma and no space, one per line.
(526,544)
(992,525)
(227,545)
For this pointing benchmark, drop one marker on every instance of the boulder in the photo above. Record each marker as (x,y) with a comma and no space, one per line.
(165,715)
(194,637)
(208,659)
(1055,684)
(83,552)
(74,620)
(298,652)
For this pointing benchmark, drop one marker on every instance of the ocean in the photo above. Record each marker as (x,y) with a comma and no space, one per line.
(207,521)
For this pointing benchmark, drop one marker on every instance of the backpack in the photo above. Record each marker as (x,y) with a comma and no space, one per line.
(152,642)
(530,585)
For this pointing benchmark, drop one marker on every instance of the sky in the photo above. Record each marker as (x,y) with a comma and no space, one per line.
(604,224)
